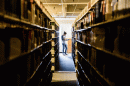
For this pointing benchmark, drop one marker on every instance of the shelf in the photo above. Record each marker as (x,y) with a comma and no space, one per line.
(112,20)
(56,44)
(83,14)
(17,20)
(41,45)
(44,10)
(11,18)
(83,70)
(94,69)
(108,52)
(114,54)
(47,41)
(48,65)
(80,65)
(105,22)
(34,72)
(15,58)
(83,43)
(23,54)
(47,54)
(35,25)
(54,30)
(38,2)
(83,29)
(55,37)
(82,56)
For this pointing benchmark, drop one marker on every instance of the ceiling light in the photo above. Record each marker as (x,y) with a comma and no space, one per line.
(59,4)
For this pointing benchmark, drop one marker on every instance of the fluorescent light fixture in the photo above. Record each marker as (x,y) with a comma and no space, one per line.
(60,4)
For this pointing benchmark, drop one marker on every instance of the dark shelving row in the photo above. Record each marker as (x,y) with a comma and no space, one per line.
(25,43)
(27,67)
(102,45)
(99,12)
(24,11)
(20,40)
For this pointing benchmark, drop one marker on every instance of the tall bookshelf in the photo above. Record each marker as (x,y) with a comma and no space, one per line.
(102,43)
(25,43)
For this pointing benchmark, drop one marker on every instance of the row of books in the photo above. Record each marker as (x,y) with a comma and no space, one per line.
(21,54)
(104,10)
(102,67)
(26,10)
(29,69)
(102,47)
(20,40)
(113,38)
(25,56)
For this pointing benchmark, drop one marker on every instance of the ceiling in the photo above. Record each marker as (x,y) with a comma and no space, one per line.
(65,8)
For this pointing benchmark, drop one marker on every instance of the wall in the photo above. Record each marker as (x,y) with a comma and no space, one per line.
(65,25)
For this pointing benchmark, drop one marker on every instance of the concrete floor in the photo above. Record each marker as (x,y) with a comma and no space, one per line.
(65,72)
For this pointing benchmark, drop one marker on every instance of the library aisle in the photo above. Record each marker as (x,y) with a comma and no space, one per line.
(65,72)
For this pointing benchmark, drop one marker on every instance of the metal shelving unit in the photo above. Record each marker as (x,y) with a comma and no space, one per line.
(25,51)
(101,48)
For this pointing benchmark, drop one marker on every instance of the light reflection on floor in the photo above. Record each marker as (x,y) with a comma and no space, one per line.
(64,79)
(62,76)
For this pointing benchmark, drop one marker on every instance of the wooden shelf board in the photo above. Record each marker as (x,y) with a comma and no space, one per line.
(11,18)
(46,54)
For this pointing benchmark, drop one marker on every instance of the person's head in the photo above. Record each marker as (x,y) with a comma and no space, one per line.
(65,33)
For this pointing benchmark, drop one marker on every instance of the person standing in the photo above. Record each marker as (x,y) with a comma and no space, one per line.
(64,43)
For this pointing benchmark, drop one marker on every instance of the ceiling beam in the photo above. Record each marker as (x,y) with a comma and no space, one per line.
(65,3)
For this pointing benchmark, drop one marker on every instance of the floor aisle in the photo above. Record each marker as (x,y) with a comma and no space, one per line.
(64,63)
(64,79)
(65,72)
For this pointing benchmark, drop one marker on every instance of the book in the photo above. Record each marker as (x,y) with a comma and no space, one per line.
(12,8)
(108,14)
(2,6)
